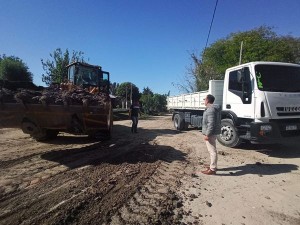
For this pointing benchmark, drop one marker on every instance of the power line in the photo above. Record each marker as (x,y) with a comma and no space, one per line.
(211,23)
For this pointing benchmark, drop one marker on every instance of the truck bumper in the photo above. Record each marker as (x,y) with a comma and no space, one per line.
(274,132)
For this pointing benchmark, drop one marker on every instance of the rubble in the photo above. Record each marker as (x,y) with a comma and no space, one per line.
(54,95)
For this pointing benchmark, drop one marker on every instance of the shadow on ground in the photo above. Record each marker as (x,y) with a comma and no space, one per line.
(284,150)
(97,154)
(259,169)
(123,147)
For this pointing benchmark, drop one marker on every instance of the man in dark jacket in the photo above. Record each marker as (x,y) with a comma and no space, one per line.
(211,127)
(134,113)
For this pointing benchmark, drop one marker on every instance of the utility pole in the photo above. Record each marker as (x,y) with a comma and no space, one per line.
(126,99)
(131,93)
(241,52)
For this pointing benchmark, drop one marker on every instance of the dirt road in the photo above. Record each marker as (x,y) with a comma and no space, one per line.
(151,177)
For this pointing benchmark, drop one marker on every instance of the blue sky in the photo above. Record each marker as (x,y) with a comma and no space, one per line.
(144,42)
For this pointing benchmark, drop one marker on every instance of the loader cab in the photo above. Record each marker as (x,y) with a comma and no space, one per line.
(86,76)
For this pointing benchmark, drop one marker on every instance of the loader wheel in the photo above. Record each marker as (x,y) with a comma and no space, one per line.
(229,135)
(178,122)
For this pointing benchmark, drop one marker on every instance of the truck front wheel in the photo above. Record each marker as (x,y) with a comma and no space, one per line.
(229,135)
(178,122)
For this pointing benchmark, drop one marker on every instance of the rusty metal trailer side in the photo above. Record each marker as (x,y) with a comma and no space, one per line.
(77,119)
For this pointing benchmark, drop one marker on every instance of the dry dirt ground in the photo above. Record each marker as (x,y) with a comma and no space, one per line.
(151,177)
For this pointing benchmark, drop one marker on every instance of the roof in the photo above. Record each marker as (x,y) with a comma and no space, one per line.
(83,64)
(263,63)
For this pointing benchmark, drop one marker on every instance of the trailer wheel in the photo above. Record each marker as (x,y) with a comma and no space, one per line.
(186,126)
(178,122)
(229,135)
(45,134)
(33,130)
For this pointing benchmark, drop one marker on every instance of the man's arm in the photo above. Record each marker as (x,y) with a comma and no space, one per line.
(210,123)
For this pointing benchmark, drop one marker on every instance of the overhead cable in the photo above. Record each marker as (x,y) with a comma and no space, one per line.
(211,23)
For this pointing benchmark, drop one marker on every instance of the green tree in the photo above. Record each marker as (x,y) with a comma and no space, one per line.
(124,90)
(147,91)
(147,103)
(55,68)
(259,44)
(113,88)
(14,69)
(159,102)
(153,103)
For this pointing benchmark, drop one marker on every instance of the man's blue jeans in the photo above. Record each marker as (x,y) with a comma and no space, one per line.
(135,121)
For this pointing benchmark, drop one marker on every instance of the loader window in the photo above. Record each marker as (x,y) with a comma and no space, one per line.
(71,73)
(104,82)
(87,76)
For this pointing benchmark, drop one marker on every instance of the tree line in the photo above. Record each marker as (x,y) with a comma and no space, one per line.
(14,69)
(259,44)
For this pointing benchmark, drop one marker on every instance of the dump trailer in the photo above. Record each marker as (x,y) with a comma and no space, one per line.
(260,103)
(79,105)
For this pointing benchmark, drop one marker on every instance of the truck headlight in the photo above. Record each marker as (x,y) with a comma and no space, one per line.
(265,130)
(266,127)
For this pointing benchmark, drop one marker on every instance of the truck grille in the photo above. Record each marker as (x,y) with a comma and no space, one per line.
(282,124)
(289,114)
(288,111)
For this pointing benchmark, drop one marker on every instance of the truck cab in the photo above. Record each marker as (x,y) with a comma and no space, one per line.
(261,103)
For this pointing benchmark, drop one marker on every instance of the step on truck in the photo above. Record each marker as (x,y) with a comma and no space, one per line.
(79,105)
(260,104)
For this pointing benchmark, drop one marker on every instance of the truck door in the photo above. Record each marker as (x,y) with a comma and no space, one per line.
(239,95)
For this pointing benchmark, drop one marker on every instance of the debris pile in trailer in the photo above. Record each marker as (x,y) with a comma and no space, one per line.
(57,95)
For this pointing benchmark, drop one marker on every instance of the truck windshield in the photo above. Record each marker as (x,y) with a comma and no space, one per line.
(278,78)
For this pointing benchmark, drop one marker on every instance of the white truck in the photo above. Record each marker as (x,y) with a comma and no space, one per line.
(260,103)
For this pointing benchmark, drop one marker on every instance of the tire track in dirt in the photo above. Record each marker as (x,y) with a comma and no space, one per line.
(100,189)
(145,178)
(22,172)
(77,182)
(156,201)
